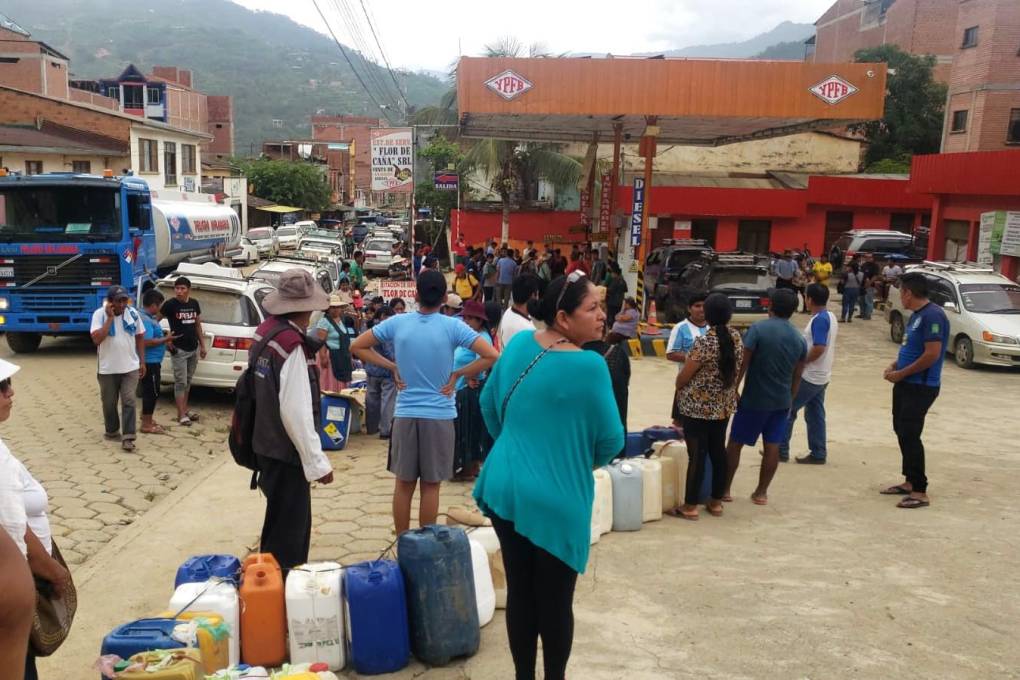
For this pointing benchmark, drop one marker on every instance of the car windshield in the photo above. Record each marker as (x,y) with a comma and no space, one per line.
(991,298)
(218,307)
(287,231)
(744,277)
(59,214)
(259,234)
(378,246)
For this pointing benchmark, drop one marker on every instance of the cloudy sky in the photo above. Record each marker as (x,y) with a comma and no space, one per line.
(427,35)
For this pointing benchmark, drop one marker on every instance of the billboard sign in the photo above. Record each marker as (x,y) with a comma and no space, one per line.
(392,160)
(638,211)
(509,85)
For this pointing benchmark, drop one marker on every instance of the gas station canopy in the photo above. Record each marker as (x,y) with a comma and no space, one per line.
(696,102)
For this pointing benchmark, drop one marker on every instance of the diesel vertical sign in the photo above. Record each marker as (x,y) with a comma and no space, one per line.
(637,212)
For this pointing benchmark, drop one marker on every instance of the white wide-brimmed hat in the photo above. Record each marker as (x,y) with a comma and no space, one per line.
(7,369)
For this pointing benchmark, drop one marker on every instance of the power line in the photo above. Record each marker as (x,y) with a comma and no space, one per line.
(353,26)
(383,54)
(343,51)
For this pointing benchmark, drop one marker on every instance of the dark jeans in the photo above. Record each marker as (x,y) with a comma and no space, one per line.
(705,439)
(850,296)
(910,404)
(540,600)
(149,388)
(287,529)
(487,293)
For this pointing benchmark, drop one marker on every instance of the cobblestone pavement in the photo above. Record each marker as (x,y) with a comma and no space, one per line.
(95,488)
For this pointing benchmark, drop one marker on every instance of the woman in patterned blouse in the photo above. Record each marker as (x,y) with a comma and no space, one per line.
(706,398)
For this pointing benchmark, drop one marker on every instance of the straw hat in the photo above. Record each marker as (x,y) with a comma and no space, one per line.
(297,291)
(340,300)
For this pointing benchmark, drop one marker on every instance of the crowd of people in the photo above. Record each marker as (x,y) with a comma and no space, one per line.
(513,375)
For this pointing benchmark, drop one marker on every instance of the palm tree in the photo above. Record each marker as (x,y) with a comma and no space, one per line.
(511,167)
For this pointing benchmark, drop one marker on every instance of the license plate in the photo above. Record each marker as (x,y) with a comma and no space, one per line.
(743,304)
(6,272)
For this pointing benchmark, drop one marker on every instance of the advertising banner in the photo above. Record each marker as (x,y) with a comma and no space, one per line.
(446,180)
(605,200)
(392,160)
(637,211)
(1010,244)
(399,289)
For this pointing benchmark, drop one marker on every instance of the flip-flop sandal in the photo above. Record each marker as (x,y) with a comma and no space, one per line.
(715,512)
(155,429)
(912,503)
(896,490)
(758,500)
(679,514)
(185,421)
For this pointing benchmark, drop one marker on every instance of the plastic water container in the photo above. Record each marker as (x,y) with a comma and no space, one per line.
(336,414)
(218,597)
(627,490)
(142,635)
(677,450)
(186,665)
(314,616)
(201,568)
(602,507)
(635,444)
(376,607)
(651,492)
(442,611)
(485,594)
(671,496)
(658,434)
(486,537)
(206,631)
(263,616)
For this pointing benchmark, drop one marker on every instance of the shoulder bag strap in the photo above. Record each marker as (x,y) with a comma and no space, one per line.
(524,373)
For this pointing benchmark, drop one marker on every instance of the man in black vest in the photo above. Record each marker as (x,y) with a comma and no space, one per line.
(287,398)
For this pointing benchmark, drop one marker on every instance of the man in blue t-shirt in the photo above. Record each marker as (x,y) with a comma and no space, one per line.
(681,341)
(916,376)
(774,355)
(506,270)
(422,435)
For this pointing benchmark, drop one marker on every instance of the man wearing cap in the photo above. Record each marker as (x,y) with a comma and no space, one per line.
(287,398)
(422,437)
(454,305)
(464,283)
(119,334)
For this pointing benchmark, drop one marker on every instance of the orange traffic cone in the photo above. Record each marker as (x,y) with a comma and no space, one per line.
(653,320)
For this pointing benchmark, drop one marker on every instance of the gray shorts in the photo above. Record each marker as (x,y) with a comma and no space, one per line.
(421,449)
(184,365)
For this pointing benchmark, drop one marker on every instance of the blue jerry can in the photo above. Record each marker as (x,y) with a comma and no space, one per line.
(440,584)
(201,568)
(376,617)
(143,635)
(336,415)
(635,445)
(658,434)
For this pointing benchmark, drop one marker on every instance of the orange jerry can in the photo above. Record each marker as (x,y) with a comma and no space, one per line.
(263,612)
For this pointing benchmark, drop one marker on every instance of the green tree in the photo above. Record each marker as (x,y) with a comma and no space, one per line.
(299,184)
(440,154)
(914,108)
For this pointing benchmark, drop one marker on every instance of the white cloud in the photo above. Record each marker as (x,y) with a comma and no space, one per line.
(418,34)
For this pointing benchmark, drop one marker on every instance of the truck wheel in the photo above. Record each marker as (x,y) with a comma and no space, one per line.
(964,352)
(24,343)
(896,327)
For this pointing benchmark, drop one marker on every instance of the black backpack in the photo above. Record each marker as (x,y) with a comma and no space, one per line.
(242,422)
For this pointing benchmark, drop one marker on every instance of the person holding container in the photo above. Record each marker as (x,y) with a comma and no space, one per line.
(550,407)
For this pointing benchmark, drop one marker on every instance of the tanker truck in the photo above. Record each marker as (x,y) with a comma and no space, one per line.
(66,238)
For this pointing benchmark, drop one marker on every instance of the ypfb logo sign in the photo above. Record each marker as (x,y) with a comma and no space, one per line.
(509,85)
(833,90)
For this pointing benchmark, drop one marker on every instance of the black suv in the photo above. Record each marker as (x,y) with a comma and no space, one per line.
(743,277)
(663,268)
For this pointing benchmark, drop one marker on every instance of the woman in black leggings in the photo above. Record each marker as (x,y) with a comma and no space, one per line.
(706,398)
(550,407)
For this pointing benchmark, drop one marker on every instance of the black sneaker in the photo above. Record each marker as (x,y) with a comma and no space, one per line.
(810,460)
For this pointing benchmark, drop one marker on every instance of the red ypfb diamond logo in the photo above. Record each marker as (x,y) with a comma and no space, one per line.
(508,85)
(833,90)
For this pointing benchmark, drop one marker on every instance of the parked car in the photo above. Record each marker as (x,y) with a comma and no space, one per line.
(249,252)
(662,274)
(287,237)
(264,239)
(305,226)
(325,271)
(743,277)
(378,254)
(231,311)
(323,243)
(983,308)
(362,229)
(881,243)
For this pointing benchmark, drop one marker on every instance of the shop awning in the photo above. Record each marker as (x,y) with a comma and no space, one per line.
(697,102)
(280,208)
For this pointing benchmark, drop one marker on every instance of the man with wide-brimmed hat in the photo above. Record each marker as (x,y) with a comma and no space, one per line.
(286,437)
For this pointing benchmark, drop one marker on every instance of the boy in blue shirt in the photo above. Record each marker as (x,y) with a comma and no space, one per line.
(422,436)
(155,348)
(916,376)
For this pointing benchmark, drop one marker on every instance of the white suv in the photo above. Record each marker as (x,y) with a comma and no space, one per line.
(231,311)
(983,310)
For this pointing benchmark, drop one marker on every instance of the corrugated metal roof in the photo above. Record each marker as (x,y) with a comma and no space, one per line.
(17,138)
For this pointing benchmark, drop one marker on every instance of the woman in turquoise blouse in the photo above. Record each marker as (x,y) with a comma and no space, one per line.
(559,423)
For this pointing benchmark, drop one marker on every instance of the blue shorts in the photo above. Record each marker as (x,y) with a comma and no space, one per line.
(749,423)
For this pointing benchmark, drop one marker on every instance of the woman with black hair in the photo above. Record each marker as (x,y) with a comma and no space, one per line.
(706,398)
(550,407)
(472,441)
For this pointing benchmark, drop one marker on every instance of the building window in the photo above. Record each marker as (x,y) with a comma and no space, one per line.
(148,159)
(134,97)
(970,37)
(959,121)
(903,222)
(188,159)
(33,167)
(81,167)
(170,163)
(1013,132)
(155,96)
(219,126)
